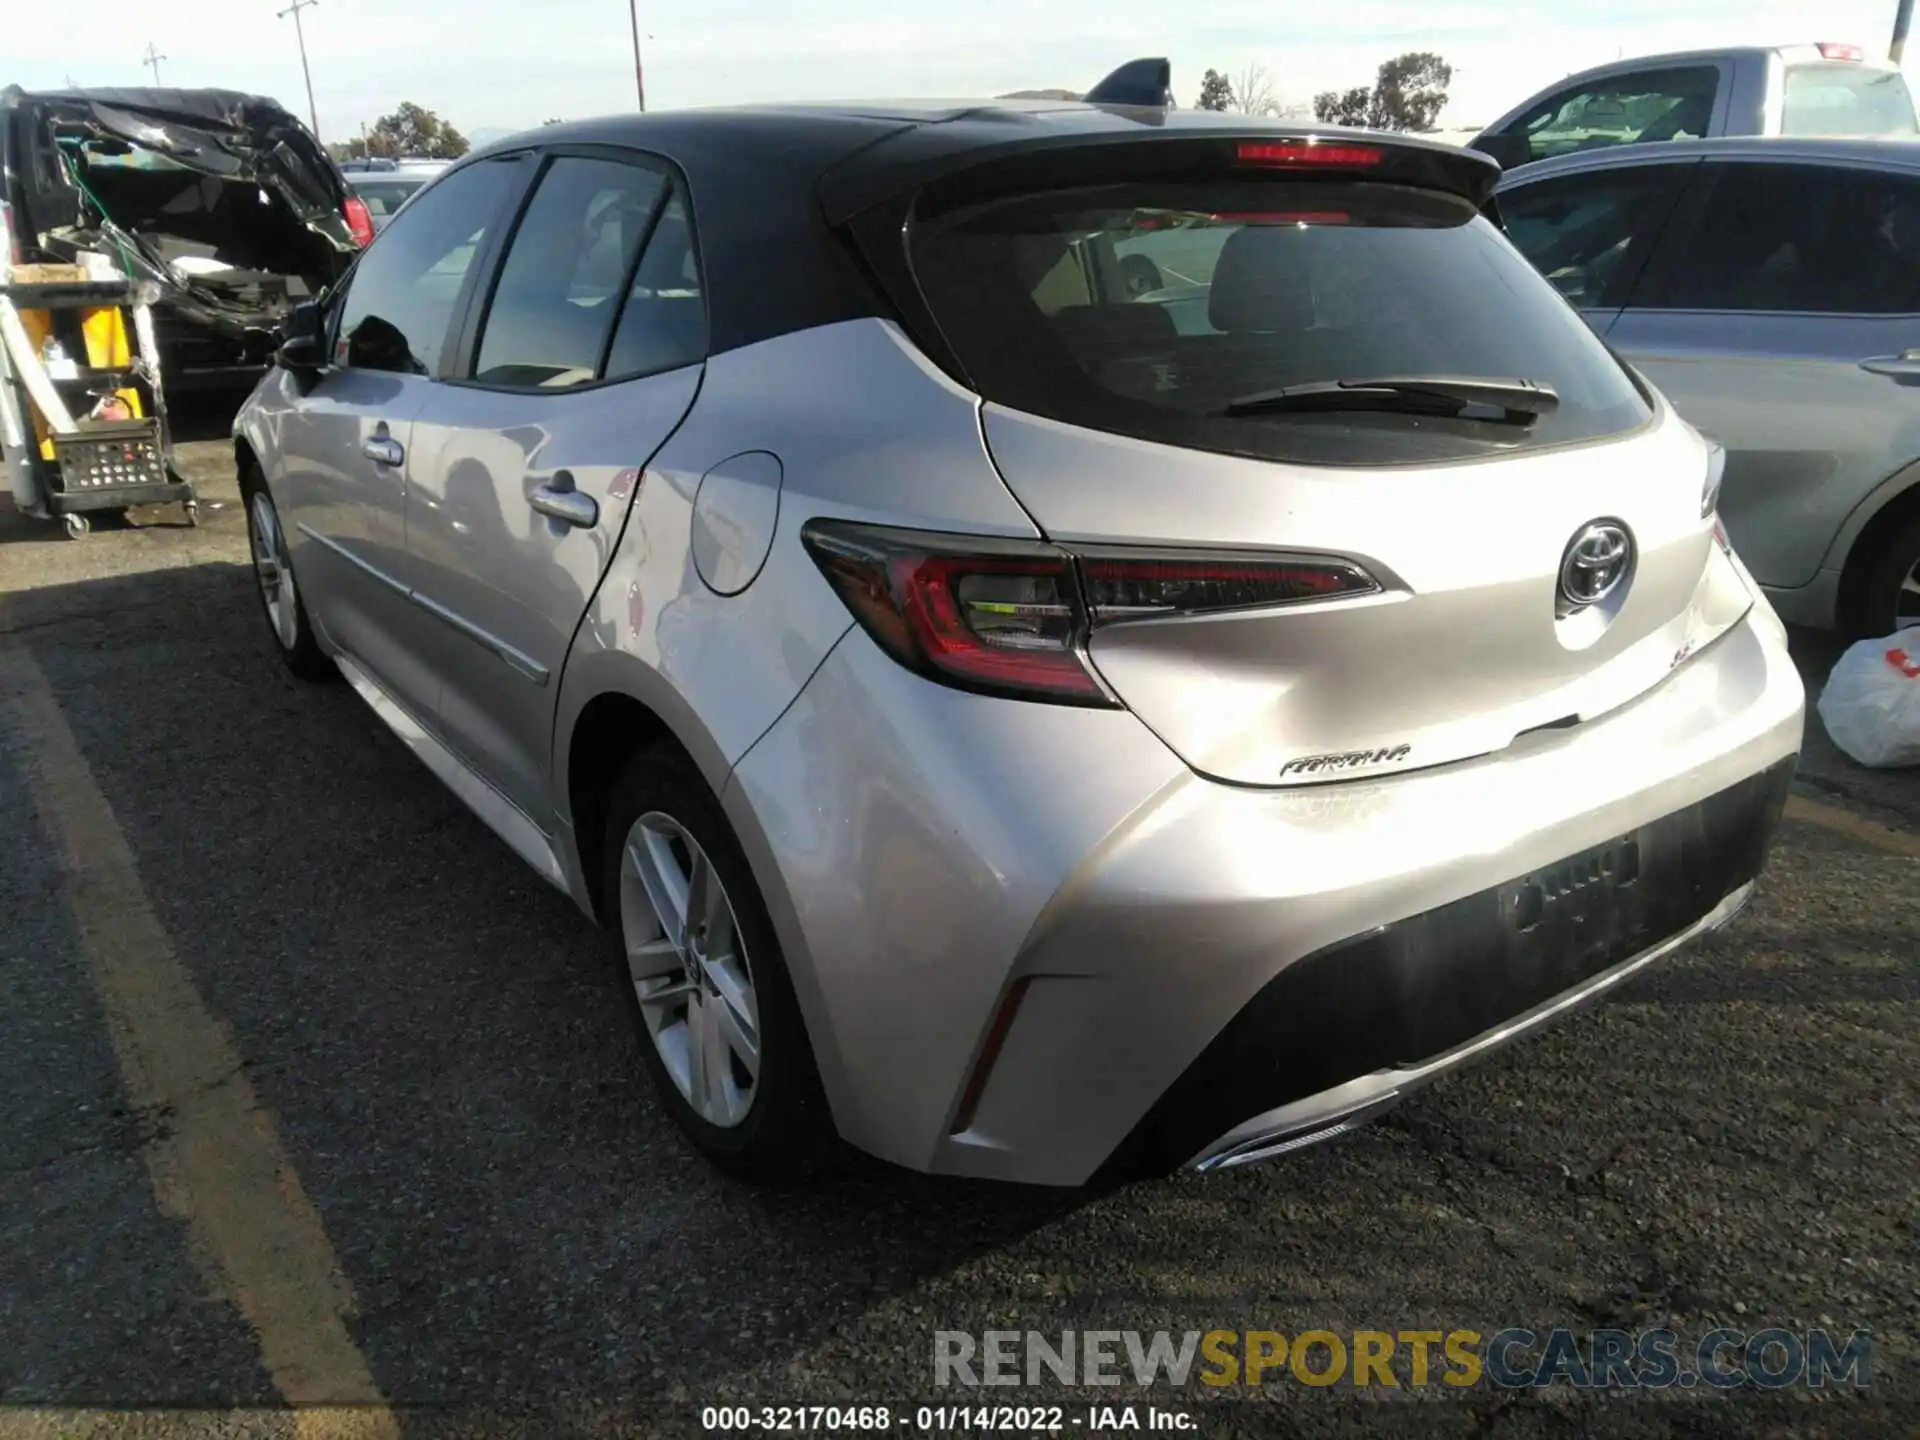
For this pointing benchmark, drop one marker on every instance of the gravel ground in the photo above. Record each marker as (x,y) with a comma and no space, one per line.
(437,1044)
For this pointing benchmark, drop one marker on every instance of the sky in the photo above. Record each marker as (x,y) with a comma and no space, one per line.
(492,66)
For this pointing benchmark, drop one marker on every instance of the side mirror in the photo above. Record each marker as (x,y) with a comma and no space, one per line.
(303,319)
(301,352)
(1508,151)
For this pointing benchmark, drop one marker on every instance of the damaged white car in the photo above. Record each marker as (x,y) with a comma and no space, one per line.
(225,201)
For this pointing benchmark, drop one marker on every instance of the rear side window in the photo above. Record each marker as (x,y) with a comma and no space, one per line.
(561,284)
(1793,238)
(1649,105)
(1590,234)
(1845,100)
(664,323)
(1150,309)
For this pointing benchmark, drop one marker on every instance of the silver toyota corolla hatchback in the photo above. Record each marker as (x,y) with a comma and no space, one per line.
(1059,639)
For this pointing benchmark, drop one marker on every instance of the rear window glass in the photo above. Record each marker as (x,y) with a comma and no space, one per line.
(1846,100)
(1147,310)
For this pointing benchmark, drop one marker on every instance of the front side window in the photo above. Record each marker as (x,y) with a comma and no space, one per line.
(565,272)
(1161,308)
(1796,238)
(1845,99)
(1590,233)
(1622,110)
(401,296)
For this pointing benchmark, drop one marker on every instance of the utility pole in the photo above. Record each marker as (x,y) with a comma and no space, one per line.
(153,58)
(639,76)
(300,34)
(1903,17)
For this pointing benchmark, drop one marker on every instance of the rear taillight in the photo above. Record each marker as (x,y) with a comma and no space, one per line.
(1287,154)
(1002,617)
(1012,617)
(359,220)
(1135,587)
(1842,52)
(7,237)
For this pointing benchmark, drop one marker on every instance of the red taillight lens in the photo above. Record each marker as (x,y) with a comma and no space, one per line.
(1288,153)
(359,220)
(1002,617)
(1012,617)
(1842,52)
(1129,587)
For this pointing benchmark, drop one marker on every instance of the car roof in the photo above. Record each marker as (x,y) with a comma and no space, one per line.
(861,151)
(1806,51)
(1884,153)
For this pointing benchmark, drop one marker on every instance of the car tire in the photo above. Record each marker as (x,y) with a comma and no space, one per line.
(1885,601)
(700,1003)
(280,599)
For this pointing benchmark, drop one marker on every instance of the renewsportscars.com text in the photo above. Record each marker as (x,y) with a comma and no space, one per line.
(1513,1358)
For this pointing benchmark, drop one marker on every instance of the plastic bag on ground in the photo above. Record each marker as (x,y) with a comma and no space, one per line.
(1871,703)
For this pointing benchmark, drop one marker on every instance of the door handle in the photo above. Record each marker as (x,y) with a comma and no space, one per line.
(384,450)
(1905,365)
(558,500)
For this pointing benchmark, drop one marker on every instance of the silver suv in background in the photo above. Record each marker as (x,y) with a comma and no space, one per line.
(384,188)
(1771,290)
(1794,90)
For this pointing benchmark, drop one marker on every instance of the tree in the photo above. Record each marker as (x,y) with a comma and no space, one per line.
(1216,92)
(1408,94)
(414,130)
(1253,92)
(1343,107)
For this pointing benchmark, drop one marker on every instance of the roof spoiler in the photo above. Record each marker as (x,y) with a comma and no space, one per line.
(1138,82)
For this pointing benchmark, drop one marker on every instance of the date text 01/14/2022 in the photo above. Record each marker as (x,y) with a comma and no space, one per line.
(945,1419)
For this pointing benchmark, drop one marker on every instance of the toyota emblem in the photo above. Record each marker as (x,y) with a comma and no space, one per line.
(1597,563)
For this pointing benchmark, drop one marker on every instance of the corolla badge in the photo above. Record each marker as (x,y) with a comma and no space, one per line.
(1596,563)
(1345,760)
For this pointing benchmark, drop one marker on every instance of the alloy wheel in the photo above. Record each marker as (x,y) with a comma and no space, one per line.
(274,571)
(689,967)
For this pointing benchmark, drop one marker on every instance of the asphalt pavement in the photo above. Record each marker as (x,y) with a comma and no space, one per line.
(310,1091)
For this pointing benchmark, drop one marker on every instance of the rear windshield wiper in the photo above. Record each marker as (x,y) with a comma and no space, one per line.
(1518,402)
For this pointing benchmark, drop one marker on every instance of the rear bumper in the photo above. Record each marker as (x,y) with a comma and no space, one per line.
(1345,1106)
(1030,944)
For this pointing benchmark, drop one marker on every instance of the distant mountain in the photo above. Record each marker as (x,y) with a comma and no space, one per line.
(1040,95)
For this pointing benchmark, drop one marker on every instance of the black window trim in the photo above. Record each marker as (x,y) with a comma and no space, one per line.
(1658,271)
(337,295)
(463,354)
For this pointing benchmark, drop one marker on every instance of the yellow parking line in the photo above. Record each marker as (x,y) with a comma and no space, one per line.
(1845,822)
(214,1158)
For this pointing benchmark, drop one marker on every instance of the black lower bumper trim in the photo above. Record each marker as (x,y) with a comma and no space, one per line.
(1410,992)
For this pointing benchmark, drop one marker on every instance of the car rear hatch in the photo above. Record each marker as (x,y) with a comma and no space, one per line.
(225,199)
(1290,576)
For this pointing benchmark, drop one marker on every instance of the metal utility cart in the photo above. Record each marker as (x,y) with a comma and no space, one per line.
(82,411)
